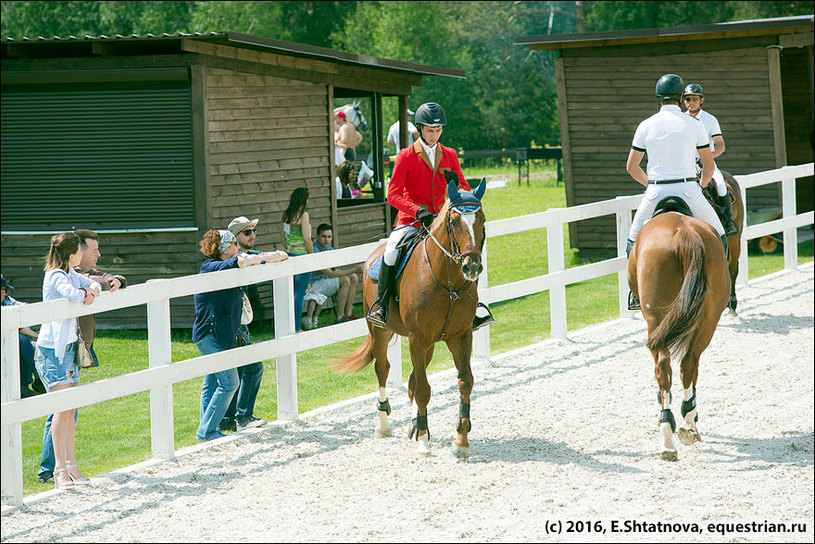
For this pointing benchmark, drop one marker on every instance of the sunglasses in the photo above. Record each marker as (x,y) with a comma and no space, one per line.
(248,232)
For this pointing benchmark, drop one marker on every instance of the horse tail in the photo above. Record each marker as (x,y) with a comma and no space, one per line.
(684,315)
(357,360)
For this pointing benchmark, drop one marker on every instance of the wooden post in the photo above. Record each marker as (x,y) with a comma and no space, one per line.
(777,105)
(161,398)
(284,325)
(557,293)
(481,337)
(623,228)
(11,458)
(789,208)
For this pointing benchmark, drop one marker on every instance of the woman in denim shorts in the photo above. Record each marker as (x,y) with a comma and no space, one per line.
(56,348)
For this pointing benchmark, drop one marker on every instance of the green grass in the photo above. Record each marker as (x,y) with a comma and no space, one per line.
(116,433)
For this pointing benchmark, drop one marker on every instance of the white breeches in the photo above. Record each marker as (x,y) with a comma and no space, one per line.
(391,249)
(718,178)
(690,192)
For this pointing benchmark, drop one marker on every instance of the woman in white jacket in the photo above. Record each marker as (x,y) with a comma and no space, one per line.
(56,347)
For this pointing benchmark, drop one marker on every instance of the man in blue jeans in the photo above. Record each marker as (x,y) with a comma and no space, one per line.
(89,243)
(240,414)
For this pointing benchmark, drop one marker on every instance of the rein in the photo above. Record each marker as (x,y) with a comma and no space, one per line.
(456,257)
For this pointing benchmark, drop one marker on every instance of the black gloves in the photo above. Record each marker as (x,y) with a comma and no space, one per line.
(425,217)
(451,176)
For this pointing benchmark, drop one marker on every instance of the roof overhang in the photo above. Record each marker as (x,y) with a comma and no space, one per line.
(88,45)
(737,29)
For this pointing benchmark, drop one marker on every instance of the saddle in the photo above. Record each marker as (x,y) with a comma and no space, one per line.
(672,204)
(406,247)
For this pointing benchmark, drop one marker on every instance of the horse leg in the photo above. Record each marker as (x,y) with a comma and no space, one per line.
(380,351)
(667,424)
(461,348)
(419,391)
(689,371)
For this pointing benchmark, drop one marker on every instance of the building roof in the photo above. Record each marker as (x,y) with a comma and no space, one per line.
(41,46)
(736,29)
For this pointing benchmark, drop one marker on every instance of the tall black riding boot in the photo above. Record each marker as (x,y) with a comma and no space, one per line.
(378,313)
(730,227)
(633,301)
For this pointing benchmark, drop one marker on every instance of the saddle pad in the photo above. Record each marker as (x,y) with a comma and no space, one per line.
(672,204)
(373,271)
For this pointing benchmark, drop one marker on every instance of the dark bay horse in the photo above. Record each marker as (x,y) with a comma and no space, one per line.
(679,271)
(734,242)
(438,295)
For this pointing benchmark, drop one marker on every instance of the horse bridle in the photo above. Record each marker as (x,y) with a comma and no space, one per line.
(456,257)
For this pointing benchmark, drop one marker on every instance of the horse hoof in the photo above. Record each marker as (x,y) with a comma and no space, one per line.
(382,433)
(668,455)
(688,436)
(460,452)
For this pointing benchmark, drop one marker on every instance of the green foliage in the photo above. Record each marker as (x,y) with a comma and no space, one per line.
(623,15)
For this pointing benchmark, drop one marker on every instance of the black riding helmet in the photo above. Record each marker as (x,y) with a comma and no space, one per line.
(429,114)
(694,88)
(670,87)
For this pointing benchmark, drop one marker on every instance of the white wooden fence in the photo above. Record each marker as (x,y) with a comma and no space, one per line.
(160,373)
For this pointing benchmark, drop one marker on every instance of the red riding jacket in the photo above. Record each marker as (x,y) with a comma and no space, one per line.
(416,184)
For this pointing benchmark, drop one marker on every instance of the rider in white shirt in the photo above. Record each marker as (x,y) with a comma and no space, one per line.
(694,97)
(671,140)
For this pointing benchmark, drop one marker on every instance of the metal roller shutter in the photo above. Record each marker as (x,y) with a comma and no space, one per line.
(99,155)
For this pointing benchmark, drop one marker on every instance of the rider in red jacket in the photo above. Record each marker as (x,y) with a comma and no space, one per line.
(417,189)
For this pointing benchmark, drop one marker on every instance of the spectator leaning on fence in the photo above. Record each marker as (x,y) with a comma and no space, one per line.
(57,347)
(240,413)
(217,320)
(89,244)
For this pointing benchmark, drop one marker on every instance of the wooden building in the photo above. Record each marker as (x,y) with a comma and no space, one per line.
(152,140)
(757,77)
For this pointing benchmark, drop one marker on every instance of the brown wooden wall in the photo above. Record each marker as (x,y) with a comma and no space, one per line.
(607,92)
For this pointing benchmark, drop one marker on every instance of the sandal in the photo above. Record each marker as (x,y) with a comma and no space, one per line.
(62,479)
(77,480)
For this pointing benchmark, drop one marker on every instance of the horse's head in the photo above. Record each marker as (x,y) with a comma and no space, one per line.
(464,222)
(357,117)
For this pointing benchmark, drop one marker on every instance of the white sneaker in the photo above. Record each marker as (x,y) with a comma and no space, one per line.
(251,422)
(315,323)
(306,324)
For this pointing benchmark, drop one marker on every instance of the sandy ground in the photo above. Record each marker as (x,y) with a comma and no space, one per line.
(564,438)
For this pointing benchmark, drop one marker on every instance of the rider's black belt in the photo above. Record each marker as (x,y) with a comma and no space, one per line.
(669,181)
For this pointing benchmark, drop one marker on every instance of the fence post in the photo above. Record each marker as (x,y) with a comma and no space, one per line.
(481,337)
(789,207)
(557,293)
(161,398)
(623,228)
(743,275)
(287,409)
(395,360)
(12,435)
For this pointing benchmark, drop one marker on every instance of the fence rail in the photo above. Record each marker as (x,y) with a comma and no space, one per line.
(160,373)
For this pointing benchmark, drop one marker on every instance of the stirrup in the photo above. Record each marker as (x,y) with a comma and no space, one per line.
(633,301)
(482,321)
(377,316)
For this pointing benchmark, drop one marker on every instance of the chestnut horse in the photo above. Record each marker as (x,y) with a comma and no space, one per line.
(438,295)
(679,271)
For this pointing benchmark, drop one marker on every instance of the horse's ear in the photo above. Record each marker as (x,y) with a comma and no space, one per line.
(481,189)
(452,191)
